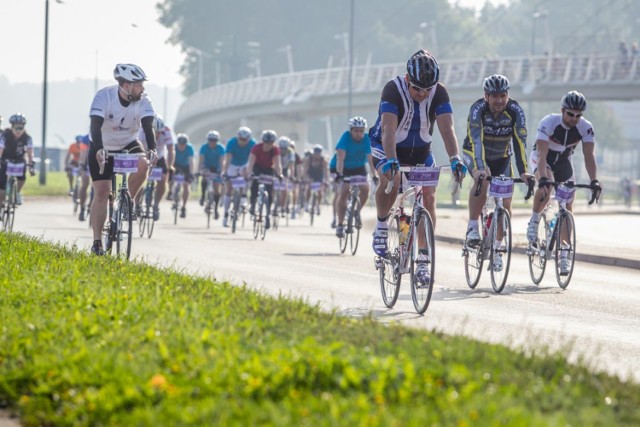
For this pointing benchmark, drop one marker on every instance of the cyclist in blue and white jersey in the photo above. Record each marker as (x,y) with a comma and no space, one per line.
(16,146)
(410,105)
(210,159)
(552,156)
(353,153)
(166,156)
(235,163)
(287,163)
(495,122)
(184,165)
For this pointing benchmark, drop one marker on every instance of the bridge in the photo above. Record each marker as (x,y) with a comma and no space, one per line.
(291,103)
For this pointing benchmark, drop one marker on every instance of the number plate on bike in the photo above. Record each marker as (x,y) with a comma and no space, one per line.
(179,178)
(565,194)
(15,169)
(238,182)
(357,180)
(423,176)
(502,188)
(211,176)
(125,163)
(75,171)
(156,174)
(278,185)
(315,186)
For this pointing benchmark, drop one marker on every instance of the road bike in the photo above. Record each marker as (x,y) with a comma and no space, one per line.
(146,219)
(556,235)
(280,203)
(10,203)
(352,214)
(410,239)
(314,205)
(496,235)
(118,229)
(260,214)
(176,194)
(238,201)
(77,174)
(210,207)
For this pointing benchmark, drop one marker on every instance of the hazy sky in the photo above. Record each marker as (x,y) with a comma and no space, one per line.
(88,37)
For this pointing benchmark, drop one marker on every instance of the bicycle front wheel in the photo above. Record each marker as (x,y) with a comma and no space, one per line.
(257,221)
(389,267)
(565,251)
(312,211)
(500,253)
(354,236)
(9,214)
(537,251)
(124,226)
(423,252)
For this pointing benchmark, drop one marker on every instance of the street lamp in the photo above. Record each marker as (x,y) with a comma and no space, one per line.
(432,35)
(536,15)
(287,50)
(201,55)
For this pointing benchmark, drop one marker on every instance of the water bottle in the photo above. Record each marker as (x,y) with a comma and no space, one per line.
(404,228)
(552,224)
(488,219)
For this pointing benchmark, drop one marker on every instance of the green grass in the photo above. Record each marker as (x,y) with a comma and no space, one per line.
(95,341)
(57,185)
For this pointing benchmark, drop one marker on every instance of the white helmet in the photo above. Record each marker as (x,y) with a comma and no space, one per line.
(284,142)
(357,122)
(244,132)
(213,135)
(129,72)
(158,124)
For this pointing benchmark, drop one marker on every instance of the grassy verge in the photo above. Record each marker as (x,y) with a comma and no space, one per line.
(57,185)
(87,340)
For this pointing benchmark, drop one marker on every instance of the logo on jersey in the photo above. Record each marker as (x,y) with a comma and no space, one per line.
(590,131)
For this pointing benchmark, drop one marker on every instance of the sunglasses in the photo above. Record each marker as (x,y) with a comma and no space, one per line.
(18,128)
(570,114)
(421,89)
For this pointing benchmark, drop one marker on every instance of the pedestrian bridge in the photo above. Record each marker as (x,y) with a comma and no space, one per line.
(287,102)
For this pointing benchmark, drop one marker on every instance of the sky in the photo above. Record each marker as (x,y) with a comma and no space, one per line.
(88,37)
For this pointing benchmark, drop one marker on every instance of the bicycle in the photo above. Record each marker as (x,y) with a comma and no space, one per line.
(10,203)
(260,214)
(495,237)
(314,207)
(352,214)
(557,237)
(147,218)
(239,201)
(77,185)
(209,197)
(178,181)
(410,239)
(280,209)
(118,228)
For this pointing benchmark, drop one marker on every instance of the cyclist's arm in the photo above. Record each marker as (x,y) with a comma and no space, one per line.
(96,131)
(520,139)
(340,156)
(250,163)
(389,126)
(589,151)
(277,165)
(201,161)
(30,155)
(226,163)
(445,126)
(542,147)
(149,133)
(171,155)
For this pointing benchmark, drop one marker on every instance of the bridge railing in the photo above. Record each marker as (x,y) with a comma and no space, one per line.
(296,87)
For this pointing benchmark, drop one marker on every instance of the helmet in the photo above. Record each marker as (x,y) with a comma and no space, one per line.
(269,135)
(244,132)
(284,142)
(317,148)
(18,119)
(292,144)
(213,135)
(129,72)
(357,122)
(158,124)
(573,100)
(496,83)
(183,138)
(423,69)
(79,138)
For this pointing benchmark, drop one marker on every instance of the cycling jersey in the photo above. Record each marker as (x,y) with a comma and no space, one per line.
(74,151)
(287,157)
(183,157)
(357,152)
(415,120)
(121,123)
(14,148)
(317,167)
(489,136)
(212,156)
(163,139)
(239,155)
(264,159)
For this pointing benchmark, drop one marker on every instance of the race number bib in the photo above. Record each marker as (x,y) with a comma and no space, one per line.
(423,176)
(156,174)
(565,194)
(15,169)
(125,163)
(502,188)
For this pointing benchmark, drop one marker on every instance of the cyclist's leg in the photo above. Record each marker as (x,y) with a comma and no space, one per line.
(253,196)
(186,187)
(341,204)
(137,179)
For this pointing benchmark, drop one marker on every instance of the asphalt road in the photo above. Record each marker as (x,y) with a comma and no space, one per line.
(597,318)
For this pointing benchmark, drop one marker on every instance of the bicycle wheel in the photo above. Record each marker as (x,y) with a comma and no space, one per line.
(124,226)
(208,208)
(537,251)
(354,236)
(263,216)
(421,290)
(474,258)
(142,222)
(10,210)
(342,241)
(389,267)
(149,215)
(76,196)
(176,203)
(499,275)
(257,220)
(108,231)
(566,227)
(312,210)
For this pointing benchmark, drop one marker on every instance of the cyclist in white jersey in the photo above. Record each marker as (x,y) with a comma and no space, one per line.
(117,113)
(165,147)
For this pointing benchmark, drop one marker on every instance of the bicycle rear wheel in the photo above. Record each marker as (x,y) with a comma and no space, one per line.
(257,221)
(389,267)
(421,290)
(499,275)
(176,203)
(142,222)
(124,226)
(9,214)
(344,240)
(473,260)
(76,196)
(354,236)
(537,251)
(312,210)
(566,226)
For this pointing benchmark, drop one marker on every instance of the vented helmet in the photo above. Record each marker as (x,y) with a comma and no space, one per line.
(18,119)
(213,135)
(129,72)
(284,142)
(158,124)
(496,83)
(269,135)
(317,148)
(357,122)
(423,69)
(182,138)
(574,100)
(244,132)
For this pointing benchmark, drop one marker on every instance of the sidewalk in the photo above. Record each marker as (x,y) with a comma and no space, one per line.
(608,235)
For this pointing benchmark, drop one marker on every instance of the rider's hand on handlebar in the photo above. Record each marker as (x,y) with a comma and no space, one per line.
(390,166)
(338,178)
(596,189)
(153,157)
(458,169)
(376,179)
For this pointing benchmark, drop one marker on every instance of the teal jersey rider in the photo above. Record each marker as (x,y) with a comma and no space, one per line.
(357,152)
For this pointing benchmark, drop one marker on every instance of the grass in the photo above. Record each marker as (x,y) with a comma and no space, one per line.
(57,185)
(95,341)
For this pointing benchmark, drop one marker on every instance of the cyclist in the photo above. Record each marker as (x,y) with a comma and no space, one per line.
(211,158)
(184,165)
(288,163)
(334,188)
(297,174)
(552,156)
(15,145)
(264,160)
(409,107)
(117,113)
(235,163)
(166,158)
(495,122)
(353,153)
(315,169)
(72,160)
(84,170)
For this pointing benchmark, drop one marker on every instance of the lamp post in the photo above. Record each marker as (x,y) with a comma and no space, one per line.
(536,15)
(43,150)
(287,50)
(432,35)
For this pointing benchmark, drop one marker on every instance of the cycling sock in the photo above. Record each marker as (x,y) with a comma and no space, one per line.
(381,223)
(535,217)
(473,224)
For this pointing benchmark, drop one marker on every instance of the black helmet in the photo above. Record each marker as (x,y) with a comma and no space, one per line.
(18,119)
(269,135)
(496,83)
(574,100)
(423,69)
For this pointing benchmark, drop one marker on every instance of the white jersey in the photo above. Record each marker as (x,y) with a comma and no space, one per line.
(121,124)
(561,138)
(165,138)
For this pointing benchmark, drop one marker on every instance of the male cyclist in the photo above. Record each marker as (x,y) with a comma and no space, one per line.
(315,169)
(184,166)
(235,163)
(552,157)
(15,144)
(72,160)
(353,153)
(410,105)
(264,160)
(166,158)
(288,163)
(210,159)
(117,113)
(495,121)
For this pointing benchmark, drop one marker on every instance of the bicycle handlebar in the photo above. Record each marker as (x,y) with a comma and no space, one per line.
(595,195)
(530,185)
